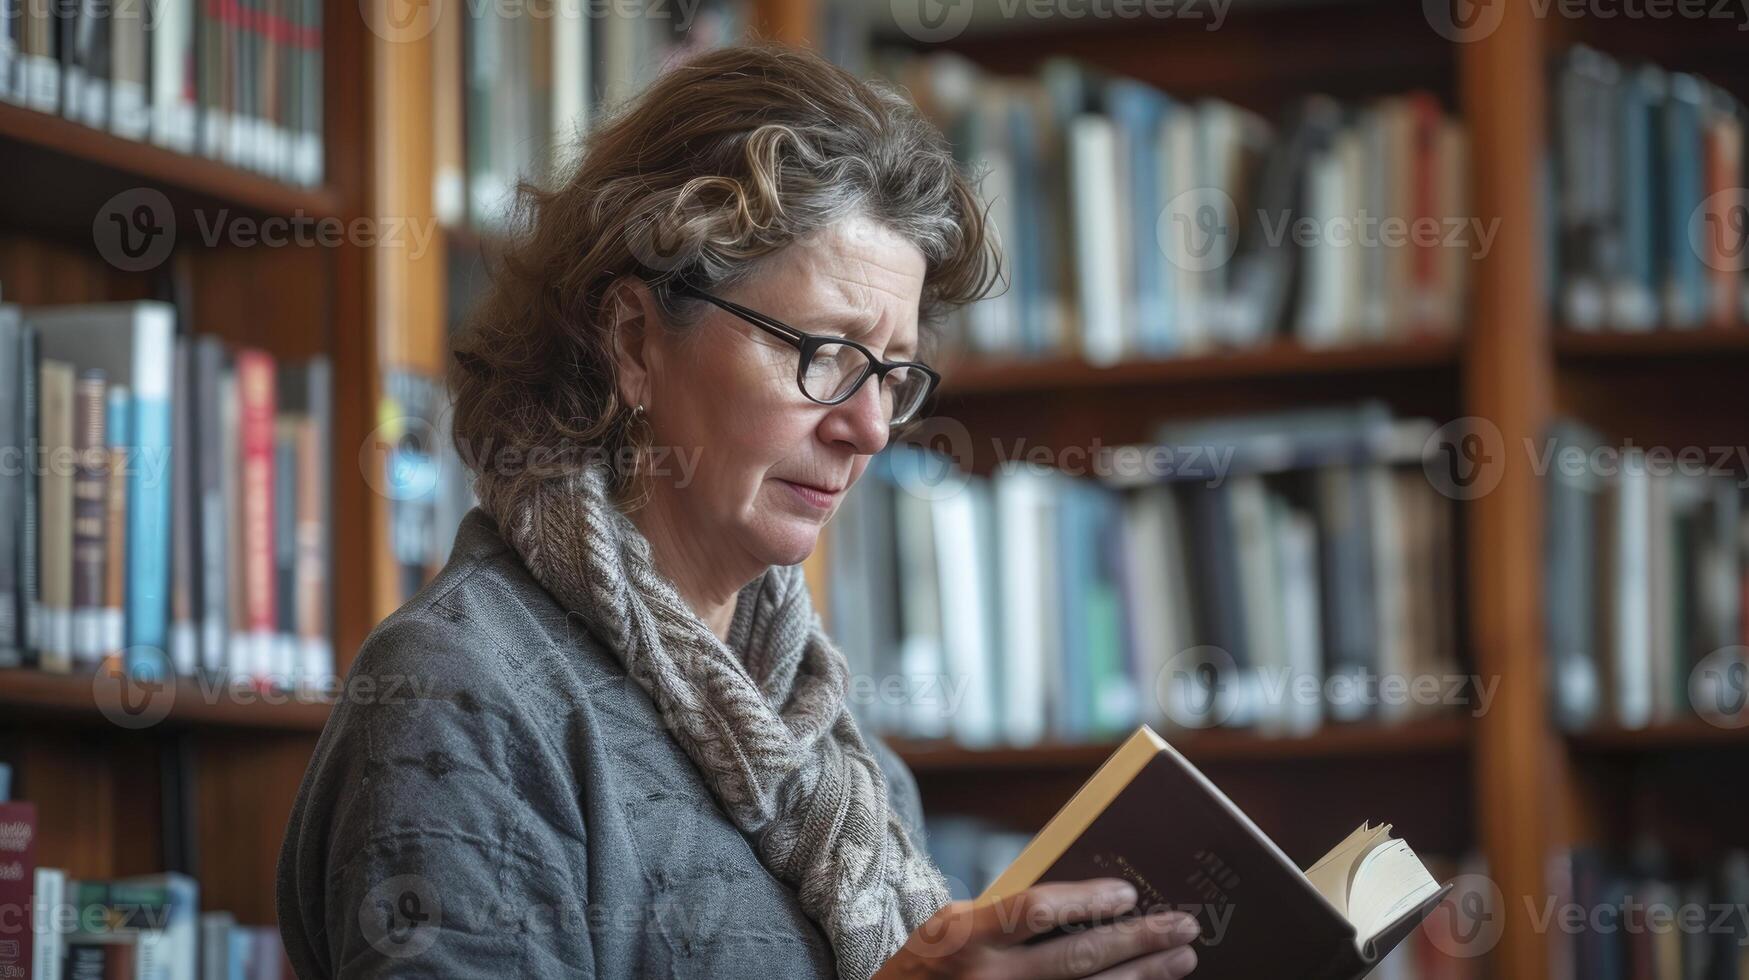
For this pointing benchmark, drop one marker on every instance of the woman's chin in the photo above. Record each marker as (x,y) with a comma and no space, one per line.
(788,540)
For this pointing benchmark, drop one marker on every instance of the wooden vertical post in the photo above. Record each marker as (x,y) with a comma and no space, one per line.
(1508,379)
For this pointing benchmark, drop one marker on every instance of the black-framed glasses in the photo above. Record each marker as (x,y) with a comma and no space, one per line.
(831,369)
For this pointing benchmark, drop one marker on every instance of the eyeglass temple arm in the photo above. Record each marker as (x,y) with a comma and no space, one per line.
(754,317)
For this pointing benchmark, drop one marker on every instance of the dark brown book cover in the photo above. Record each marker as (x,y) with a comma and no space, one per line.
(1183,845)
(17,884)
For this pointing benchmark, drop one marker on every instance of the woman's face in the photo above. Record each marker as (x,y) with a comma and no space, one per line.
(771,465)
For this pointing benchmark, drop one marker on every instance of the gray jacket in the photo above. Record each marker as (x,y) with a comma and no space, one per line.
(494,797)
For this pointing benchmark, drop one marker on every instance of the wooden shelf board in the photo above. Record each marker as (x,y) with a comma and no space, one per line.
(973,376)
(86,167)
(1690,733)
(74,698)
(1578,344)
(1436,736)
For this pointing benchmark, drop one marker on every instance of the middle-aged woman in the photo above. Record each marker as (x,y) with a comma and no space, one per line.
(611,738)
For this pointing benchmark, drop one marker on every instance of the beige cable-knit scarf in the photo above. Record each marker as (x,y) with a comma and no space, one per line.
(763,717)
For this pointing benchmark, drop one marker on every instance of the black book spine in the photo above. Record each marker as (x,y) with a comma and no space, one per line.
(11,477)
(29,596)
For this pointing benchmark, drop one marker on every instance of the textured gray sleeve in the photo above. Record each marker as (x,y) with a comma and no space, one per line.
(438,832)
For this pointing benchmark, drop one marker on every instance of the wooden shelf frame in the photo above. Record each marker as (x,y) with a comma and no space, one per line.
(75,700)
(973,376)
(1438,736)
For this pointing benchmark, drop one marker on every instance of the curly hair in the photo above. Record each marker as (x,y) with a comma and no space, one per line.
(720,162)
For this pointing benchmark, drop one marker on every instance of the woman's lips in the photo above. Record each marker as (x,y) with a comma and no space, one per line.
(812,496)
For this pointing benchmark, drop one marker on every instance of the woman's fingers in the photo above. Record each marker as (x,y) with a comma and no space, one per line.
(1105,951)
(1173,964)
(1042,908)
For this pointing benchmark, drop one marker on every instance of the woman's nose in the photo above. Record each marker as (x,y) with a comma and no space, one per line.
(860,420)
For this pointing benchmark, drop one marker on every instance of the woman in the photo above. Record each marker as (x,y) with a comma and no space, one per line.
(620,744)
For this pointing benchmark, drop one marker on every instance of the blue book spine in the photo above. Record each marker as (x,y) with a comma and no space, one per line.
(1136,110)
(118,425)
(1685,287)
(1074,542)
(149,479)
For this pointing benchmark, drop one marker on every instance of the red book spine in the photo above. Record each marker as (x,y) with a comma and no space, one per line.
(17,884)
(256,400)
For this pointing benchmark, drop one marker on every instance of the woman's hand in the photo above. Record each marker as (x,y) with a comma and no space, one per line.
(964,942)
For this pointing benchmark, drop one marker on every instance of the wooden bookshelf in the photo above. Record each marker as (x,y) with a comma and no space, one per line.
(971,376)
(932,758)
(86,167)
(80,701)
(1661,343)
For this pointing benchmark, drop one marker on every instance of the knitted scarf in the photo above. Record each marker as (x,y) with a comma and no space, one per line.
(763,716)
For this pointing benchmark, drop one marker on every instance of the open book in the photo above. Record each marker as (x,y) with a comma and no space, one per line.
(1150,817)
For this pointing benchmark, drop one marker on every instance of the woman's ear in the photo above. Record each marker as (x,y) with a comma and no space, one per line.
(634,338)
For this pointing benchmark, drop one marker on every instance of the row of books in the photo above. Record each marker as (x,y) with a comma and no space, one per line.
(1648,196)
(1275,572)
(516,86)
(146,927)
(1641,918)
(1140,225)
(168,502)
(236,81)
(1646,583)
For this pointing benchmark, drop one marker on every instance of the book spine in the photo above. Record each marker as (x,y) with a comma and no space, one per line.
(285,518)
(148,556)
(115,579)
(16,470)
(18,831)
(209,411)
(255,393)
(56,488)
(30,504)
(89,498)
(184,636)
